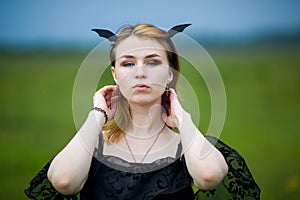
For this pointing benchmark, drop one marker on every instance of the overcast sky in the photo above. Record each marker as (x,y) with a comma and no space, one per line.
(32,21)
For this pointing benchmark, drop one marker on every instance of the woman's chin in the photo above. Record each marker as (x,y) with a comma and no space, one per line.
(139,101)
(143,101)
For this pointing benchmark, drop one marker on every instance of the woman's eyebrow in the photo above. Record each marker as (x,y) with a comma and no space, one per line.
(147,57)
(127,56)
(152,55)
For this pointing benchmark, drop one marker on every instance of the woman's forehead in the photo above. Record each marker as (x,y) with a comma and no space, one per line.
(139,46)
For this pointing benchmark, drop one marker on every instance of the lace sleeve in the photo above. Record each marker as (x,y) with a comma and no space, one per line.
(40,188)
(238,184)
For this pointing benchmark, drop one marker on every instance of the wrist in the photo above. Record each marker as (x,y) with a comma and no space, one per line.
(184,116)
(102,112)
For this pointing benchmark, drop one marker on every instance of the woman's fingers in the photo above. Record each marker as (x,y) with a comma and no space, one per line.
(107,90)
(174,117)
(101,96)
(173,95)
(106,98)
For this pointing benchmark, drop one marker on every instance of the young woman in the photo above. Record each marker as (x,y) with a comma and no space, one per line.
(127,148)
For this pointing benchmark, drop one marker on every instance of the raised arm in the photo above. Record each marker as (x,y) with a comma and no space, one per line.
(205,163)
(69,169)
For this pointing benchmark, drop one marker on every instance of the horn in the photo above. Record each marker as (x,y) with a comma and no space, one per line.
(106,34)
(176,29)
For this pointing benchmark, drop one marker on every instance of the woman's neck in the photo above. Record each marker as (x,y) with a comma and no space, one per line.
(146,120)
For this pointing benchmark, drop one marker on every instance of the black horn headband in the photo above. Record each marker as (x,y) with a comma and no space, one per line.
(112,37)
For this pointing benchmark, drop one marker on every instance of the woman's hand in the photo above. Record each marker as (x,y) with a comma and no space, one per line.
(106,98)
(175,111)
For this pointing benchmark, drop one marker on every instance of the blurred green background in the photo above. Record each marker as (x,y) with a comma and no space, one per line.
(263,93)
(255,45)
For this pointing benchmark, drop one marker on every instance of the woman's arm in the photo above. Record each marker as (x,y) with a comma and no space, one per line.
(69,169)
(205,163)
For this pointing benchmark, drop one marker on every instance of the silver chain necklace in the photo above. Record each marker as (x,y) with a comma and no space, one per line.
(147,152)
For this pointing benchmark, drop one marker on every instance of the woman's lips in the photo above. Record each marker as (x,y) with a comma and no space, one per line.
(141,87)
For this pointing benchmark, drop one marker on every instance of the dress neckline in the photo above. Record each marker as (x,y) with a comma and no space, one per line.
(121,164)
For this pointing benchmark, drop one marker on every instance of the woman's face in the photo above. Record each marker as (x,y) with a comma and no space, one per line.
(141,70)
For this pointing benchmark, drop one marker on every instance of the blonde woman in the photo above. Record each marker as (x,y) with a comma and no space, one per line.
(127,148)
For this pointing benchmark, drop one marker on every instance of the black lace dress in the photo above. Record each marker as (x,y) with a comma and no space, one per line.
(169,182)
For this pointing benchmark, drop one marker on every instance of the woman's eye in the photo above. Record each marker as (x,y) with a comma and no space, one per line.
(128,64)
(152,63)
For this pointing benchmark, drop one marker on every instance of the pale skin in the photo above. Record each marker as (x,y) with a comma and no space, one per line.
(142,72)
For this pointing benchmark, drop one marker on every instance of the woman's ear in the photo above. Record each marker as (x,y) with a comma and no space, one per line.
(114,75)
(170,78)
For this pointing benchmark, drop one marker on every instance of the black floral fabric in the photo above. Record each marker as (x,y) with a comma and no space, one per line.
(169,182)
(109,183)
(41,188)
(238,183)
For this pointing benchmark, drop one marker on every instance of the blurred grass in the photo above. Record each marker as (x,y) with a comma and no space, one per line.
(263,94)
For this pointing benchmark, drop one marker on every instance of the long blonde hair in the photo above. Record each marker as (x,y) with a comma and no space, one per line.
(115,127)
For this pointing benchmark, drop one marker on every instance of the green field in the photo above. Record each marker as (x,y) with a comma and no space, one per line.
(263,93)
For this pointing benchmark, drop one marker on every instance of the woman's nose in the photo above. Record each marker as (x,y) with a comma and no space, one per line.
(140,72)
